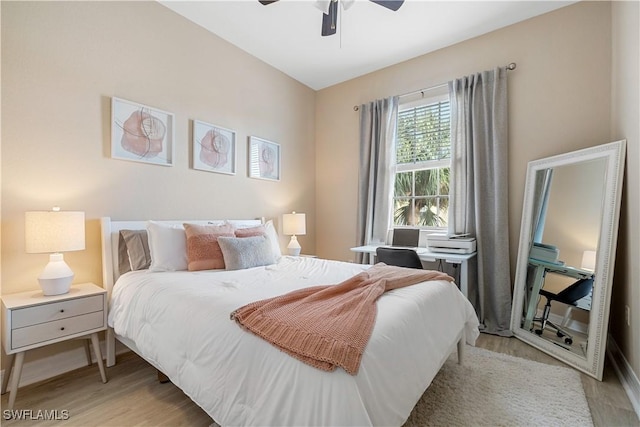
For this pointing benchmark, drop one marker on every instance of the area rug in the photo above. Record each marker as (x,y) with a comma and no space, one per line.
(494,389)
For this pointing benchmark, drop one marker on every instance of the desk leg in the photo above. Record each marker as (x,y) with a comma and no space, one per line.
(96,349)
(15,381)
(533,298)
(464,278)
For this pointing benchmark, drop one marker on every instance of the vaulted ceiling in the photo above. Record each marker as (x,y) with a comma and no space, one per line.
(286,34)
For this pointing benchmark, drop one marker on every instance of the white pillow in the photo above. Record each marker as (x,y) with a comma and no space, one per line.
(168,247)
(246,252)
(272,234)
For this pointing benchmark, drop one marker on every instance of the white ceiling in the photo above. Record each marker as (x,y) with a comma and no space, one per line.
(286,34)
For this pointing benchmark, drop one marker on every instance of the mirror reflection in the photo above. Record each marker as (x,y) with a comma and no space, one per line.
(566,222)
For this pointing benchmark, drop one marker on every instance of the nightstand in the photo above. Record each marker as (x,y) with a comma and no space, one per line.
(31,320)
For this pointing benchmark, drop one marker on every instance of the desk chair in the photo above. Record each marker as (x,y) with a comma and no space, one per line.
(399,257)
(570,296)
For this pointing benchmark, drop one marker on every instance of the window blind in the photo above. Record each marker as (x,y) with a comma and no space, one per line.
(424,133)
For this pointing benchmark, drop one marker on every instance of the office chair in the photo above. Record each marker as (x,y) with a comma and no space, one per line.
(399,257)
(570,296)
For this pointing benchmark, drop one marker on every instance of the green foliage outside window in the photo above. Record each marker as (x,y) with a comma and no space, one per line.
(423,151)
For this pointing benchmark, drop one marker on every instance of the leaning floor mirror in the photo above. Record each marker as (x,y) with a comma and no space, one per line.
(566,255)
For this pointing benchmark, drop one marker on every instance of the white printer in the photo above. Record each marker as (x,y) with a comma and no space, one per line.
(453,244)
(544,252)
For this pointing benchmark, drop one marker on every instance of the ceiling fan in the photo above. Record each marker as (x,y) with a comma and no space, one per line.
(330,10)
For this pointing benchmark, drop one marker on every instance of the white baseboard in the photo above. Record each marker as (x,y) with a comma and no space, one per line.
(59,363)
(625,373)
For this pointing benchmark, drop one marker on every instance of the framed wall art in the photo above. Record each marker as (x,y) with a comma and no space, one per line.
(264,159)
(141,133)
(214,148)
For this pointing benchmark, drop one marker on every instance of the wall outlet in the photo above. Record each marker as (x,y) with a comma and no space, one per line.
(627,315)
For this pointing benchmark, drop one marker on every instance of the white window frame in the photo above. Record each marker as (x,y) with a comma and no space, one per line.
(419,166)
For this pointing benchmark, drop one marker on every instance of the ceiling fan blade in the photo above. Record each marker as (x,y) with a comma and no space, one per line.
(330,20)
(267,2)
(389,4)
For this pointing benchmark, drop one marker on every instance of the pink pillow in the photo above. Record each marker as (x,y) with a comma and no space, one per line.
(203,250)
(251,231)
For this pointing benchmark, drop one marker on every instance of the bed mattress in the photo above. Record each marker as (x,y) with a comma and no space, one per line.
(179,322)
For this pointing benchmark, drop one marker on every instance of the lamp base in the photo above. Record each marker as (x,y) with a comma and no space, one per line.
(56,277)
(57,286)
(294,247)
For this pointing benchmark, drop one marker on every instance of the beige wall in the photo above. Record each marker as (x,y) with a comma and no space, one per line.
(61,64)
(625,115)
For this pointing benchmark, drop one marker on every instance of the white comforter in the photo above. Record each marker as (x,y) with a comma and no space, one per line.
(180,323)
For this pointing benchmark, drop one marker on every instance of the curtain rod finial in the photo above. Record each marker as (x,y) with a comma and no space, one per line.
(511,66)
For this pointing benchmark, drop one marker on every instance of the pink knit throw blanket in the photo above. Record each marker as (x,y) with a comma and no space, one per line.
(328,326)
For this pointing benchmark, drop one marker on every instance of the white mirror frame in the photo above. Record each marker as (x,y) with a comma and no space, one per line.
(593,364)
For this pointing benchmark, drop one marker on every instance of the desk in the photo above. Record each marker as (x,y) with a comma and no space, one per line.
(429,256)
(541,268)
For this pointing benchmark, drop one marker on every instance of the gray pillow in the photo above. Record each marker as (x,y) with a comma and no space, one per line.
(246,252)
(133,251)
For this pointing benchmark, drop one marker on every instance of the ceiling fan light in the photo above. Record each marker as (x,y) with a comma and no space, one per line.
(346,4)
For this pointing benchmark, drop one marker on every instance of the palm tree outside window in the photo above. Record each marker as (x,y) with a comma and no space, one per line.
(423,159)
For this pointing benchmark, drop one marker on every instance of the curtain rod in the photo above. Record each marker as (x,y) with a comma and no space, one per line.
(510,67)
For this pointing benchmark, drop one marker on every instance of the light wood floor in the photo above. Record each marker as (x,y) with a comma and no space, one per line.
(134,397)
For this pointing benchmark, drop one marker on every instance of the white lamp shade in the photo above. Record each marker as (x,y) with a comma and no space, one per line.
(588,260)
(53,231)
(294,224)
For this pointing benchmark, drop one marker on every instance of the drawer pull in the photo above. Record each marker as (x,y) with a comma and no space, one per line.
(62,311)
(62,329)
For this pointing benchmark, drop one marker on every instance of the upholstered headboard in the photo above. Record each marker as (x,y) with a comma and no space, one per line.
(110,231)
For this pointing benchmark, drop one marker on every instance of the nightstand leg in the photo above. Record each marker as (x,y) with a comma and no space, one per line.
(96,349)
(87,351)
(17,371)
(7,372)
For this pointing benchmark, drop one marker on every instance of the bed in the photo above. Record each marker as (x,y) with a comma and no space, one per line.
(179,322)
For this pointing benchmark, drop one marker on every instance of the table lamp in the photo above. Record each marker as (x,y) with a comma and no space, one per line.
(294,224)
(588,260)
(54,232)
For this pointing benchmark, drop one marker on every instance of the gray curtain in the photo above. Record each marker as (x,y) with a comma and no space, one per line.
(479,186)
(540,203)
(377,168)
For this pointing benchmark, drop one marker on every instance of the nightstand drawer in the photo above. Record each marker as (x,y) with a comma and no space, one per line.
(55,311)
(51,331)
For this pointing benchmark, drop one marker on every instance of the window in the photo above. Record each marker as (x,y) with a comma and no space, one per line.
(423,152)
